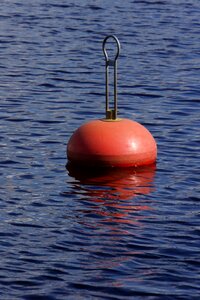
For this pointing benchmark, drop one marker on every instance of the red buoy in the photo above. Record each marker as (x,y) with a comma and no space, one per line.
(121,143)
(112,142)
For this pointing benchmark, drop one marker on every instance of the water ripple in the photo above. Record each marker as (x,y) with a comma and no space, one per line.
(68,234)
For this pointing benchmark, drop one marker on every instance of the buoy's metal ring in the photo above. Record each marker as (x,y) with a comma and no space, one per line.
(105,51)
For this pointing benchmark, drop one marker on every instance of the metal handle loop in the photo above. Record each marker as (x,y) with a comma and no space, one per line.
(105,51)
(111,114)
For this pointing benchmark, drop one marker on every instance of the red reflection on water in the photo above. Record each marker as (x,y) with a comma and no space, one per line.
(126,182)
(115,204)
(115,189)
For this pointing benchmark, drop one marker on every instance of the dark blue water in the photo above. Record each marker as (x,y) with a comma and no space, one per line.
(127,234)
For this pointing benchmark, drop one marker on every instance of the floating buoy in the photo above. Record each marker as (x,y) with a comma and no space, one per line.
(111,142)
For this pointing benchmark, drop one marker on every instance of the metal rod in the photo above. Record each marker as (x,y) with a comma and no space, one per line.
(111,114)
(107,87)
(115,90)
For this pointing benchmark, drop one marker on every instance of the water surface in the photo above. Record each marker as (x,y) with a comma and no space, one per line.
(127,234)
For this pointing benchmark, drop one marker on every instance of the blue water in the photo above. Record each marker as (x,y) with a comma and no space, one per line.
(127,234)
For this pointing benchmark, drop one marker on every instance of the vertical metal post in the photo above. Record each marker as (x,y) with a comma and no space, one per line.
(111,114)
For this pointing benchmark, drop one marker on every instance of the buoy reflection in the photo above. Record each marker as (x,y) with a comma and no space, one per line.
(113,206)
(124,182)
(115,190)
